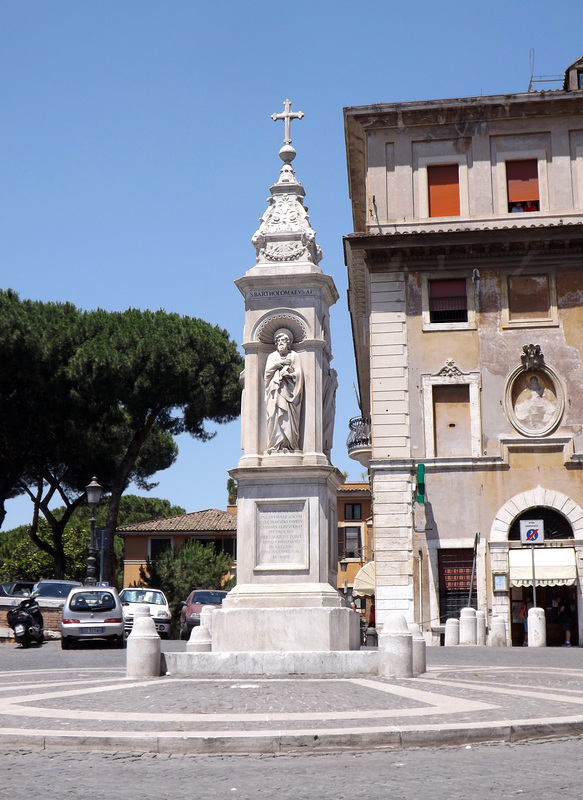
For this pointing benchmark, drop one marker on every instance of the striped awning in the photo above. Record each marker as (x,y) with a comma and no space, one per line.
(553,566)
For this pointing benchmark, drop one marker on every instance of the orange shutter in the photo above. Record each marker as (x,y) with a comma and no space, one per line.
(522,180)
(444,190)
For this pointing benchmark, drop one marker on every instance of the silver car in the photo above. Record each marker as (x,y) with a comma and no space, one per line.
(92,612)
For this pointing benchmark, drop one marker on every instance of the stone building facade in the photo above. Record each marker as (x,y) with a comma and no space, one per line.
(466,301)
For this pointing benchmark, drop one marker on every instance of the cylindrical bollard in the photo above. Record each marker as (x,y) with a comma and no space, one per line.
(480,627)
(452,632)
(419,647)
(537,628)
(143,646)
(396,648)
(498,632)
(468,630)
(200,640)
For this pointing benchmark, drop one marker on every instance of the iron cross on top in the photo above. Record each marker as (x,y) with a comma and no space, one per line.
(287,117)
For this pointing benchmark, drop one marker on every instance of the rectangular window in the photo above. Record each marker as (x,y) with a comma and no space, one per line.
(522,185)
(448,301)
(452,420)
(158,546)
(443,184)
(455,574)
(580,79)
(349,542)
(528,297)
(352,511)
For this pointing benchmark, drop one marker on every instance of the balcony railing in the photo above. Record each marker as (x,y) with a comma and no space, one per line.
(358,443)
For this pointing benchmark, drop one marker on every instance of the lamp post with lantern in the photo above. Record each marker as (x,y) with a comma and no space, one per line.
(94,492)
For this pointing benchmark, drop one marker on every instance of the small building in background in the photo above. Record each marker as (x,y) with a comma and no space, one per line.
(147,539)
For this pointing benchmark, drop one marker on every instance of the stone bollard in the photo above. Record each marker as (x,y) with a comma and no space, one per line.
(537,629)
(396,648)
(201,638)
(481,627)
(419,647)
(143,646)
(498,632)
(452,632)
(468,628)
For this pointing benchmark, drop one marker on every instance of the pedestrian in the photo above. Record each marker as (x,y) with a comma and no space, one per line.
(565,617)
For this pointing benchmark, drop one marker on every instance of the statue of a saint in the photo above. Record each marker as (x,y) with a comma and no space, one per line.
(284,385)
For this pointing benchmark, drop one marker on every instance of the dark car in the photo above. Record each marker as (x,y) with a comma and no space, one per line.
(191,608)
(51,592)
(16,588)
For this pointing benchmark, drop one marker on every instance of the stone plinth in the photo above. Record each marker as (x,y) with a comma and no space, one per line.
(285,629)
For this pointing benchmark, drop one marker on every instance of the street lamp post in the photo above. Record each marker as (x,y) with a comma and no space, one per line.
(94,491)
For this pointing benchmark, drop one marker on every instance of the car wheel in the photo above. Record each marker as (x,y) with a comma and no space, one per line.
(120,642)
(65,644)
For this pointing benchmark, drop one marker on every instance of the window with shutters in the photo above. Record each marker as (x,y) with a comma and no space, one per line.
(447,302)
(455,576)
(522,185)
(443,186)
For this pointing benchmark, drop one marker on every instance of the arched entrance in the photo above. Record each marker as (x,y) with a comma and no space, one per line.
(555,564)
(555,580)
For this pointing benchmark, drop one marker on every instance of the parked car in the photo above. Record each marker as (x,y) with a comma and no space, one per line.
(16,588)
(159,608)
(52,592)
(92,612)
(191,608)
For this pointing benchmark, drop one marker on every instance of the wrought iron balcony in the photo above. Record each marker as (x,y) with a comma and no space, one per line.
(358,443)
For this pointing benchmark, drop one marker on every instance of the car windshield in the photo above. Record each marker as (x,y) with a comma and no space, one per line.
(53,589)
(208,598)
(142,596)
(92,601)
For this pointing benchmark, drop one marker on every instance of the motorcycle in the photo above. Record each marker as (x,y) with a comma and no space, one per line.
(27,622)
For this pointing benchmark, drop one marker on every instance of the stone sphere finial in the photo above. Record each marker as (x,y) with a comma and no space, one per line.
(287,153)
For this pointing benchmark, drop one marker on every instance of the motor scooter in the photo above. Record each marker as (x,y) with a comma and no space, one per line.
(27,622)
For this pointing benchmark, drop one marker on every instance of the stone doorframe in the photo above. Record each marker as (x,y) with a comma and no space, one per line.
(506,515)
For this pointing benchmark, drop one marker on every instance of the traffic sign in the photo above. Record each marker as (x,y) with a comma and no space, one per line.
(532,531)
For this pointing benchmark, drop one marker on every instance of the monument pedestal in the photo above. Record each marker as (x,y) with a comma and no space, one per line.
(286,564)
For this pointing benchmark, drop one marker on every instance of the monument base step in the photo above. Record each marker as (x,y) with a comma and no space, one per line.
(340,664)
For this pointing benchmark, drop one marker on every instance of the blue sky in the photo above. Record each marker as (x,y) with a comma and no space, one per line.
(137,149)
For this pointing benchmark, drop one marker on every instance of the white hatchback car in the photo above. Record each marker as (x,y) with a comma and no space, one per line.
(92,612)
(159,608)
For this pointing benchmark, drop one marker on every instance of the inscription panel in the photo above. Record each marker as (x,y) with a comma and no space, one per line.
(282,535)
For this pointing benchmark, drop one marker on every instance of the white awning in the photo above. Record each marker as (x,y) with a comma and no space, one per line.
(553,566)
(364,581)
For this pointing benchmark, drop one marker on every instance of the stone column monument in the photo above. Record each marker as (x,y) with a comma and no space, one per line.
(285,598)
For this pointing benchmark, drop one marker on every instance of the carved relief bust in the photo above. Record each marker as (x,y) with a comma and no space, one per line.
(534,396)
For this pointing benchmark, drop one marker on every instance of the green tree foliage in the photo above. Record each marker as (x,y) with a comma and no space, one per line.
(19,560)
(100,393)
(178,572)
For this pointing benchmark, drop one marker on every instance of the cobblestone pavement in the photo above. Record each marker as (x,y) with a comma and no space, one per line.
(82,700)
(539,771)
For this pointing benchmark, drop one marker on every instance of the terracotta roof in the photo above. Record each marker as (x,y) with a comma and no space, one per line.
(354,486)
(210,520)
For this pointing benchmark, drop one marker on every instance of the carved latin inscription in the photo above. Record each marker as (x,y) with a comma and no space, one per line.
(281,535)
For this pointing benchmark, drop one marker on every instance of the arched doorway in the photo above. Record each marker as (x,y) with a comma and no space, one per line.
(555,575)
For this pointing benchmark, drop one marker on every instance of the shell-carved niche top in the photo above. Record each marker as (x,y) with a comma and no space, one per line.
(534,396)
(266,329)
(285,233)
